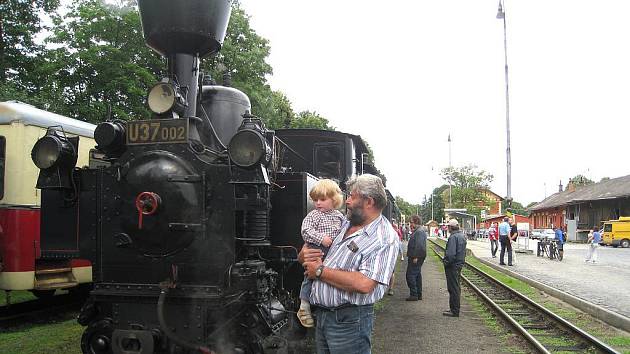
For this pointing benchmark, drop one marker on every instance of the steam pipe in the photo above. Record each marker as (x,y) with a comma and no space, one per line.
(185,69)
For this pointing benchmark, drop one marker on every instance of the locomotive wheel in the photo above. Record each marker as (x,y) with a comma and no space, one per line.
(97,338)
(43,294)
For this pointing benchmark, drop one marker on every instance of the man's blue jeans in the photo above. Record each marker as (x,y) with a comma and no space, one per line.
(345,330)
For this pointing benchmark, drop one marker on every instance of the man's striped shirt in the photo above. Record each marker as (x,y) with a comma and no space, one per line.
(375,253)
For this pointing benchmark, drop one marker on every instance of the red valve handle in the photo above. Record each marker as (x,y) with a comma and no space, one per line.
(147,204)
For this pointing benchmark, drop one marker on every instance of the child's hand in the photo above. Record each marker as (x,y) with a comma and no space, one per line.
(327,241)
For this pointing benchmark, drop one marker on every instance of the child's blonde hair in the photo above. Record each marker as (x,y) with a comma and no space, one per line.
(327,188)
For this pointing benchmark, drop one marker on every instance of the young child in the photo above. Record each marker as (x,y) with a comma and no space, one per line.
(319,228)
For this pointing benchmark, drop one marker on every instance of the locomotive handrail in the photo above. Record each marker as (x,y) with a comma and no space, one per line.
(291,149)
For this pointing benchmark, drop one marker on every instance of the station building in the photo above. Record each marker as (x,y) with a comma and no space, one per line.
(577,209)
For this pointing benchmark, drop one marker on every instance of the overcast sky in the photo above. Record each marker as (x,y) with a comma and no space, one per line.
(403,74)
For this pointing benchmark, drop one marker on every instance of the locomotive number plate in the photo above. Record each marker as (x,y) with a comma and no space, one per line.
(157,131)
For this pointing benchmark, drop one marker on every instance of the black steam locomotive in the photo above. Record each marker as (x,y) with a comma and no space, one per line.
(191,219)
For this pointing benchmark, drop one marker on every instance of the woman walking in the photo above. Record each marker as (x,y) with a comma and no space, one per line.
(594,238)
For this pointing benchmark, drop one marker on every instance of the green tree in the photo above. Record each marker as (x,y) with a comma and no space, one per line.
(101,62)
(406,208)
(20,23)
(518,208)
(579,180)
(280,113)
(438,205)
(308,119)
(468,186)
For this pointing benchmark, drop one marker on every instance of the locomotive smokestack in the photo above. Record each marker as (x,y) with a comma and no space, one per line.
(183,31)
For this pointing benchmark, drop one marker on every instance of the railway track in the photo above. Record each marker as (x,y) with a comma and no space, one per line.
(541,328)
(39,310)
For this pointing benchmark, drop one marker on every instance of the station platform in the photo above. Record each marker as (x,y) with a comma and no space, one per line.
(419,327)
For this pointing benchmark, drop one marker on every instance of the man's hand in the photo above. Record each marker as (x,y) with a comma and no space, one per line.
(311,267)
(414,260)
(327,241)
(309,254)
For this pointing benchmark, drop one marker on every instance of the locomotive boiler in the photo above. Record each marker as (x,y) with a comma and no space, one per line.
(191,219)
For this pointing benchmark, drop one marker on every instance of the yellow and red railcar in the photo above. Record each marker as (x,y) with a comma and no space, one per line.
(26,261)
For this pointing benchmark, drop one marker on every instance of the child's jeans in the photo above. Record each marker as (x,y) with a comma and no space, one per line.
(305,290)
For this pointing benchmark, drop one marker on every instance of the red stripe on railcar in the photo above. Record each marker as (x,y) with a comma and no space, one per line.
(19,239)
(75,263)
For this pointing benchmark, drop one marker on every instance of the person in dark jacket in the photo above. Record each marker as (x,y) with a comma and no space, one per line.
(454,258)
(416,253)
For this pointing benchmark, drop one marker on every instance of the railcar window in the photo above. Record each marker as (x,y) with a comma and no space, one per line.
(2,158)
(328,161)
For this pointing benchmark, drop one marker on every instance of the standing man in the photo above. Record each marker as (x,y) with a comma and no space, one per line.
(454,258)
(513,237)
(560,241)
(355,273)
(504,239)
(493,237)
(416,253)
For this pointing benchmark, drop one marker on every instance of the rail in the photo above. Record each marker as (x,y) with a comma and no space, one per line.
(543,329)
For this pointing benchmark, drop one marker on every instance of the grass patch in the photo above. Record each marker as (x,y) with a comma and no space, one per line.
(16,296)
(380,304)
(619,341)
(63,337)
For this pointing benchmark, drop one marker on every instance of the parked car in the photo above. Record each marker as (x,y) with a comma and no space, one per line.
(536,234)
(548,233)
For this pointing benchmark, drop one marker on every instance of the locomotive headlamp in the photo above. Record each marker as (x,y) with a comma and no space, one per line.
(165,96)
(110,137)
(55,155)
(53,151)
(247,148)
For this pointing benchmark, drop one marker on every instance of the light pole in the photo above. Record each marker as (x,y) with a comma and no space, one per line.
(432,206)
(450,187)
(501,16)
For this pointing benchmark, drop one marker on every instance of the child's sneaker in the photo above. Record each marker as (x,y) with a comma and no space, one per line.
(305,317)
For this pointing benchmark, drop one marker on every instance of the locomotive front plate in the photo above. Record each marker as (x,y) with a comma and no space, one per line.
(156,131)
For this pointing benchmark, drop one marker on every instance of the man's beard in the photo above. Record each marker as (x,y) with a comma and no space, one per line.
(355,215)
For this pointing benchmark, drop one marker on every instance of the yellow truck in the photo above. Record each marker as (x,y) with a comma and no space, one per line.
(617,232)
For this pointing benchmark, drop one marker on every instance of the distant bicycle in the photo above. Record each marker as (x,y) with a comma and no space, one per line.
(554,251)
(549,248)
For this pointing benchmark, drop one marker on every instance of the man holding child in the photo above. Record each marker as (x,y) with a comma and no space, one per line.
(355,273)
